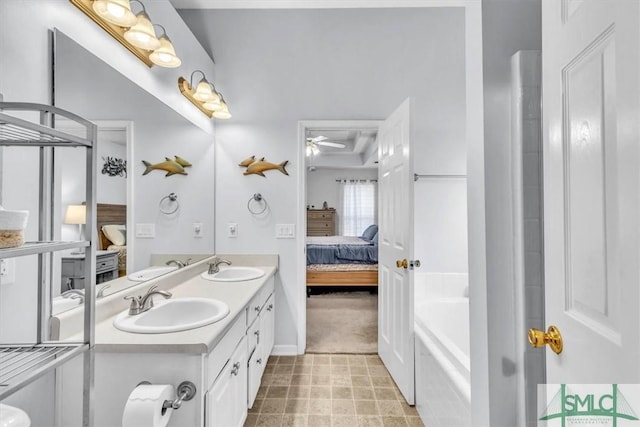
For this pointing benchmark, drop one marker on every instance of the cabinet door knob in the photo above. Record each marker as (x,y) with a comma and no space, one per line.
(257,333)
(259,361)
(270,307)
(256,308)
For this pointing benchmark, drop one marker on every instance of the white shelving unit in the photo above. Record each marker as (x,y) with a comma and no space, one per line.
(21,364)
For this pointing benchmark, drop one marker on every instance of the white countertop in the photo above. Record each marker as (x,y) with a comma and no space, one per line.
(195,341)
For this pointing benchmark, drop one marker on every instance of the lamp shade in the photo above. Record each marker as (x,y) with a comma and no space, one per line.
(117,12)
(76,214)
(142,34)
(222,113)
(165,55)
(214,103)
(203,92)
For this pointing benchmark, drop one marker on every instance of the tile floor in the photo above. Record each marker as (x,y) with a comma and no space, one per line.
(329,390)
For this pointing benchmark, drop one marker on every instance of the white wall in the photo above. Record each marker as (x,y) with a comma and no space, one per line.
(281,66)
(322,186)
(441,219)
(507,28)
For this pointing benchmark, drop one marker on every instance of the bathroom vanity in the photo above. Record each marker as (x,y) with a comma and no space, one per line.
(225,360)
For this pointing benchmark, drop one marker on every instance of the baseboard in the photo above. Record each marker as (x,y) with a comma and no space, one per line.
(284,350)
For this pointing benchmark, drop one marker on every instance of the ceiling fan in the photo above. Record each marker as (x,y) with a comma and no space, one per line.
(312,144)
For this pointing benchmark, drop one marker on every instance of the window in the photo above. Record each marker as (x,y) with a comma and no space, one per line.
(359,206)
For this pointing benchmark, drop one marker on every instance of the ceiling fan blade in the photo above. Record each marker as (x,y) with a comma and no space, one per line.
(317,138)
(331,144)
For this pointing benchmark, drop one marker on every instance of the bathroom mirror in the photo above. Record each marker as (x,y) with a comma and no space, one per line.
(131,126)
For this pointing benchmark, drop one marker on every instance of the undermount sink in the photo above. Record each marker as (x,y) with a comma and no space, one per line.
(173,315)
(234,274)
(151,273)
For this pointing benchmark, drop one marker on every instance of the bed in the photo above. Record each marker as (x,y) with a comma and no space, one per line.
(111,220)
(342,260)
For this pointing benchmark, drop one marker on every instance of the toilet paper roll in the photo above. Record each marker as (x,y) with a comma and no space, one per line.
(144,406)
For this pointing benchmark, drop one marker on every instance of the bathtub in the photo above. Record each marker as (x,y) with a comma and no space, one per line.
(443,389)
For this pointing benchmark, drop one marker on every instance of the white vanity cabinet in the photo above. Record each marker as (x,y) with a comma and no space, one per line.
(225,401)
(226,378)
(260,338)
(233,382)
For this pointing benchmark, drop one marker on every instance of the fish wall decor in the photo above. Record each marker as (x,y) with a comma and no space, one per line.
(258,167)
(172,167)
(182,162)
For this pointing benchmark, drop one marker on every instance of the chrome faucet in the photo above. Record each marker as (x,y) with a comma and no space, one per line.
(178,263)
(73,294)
(144,303)
(100,293)
(214,265)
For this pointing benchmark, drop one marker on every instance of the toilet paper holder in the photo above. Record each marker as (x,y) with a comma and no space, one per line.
(185,391)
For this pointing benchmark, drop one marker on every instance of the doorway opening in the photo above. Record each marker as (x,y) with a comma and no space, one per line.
(339,213)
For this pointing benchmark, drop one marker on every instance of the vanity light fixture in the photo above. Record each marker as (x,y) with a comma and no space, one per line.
(133,31)
(204,96)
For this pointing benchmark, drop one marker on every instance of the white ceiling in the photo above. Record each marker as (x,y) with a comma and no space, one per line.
(360,149)
(314,4)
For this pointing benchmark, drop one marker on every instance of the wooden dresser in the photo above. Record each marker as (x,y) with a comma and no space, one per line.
(321,222)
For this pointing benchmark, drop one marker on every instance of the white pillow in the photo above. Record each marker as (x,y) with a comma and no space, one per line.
(117,233)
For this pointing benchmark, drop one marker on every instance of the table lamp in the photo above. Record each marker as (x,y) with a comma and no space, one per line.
(76,214)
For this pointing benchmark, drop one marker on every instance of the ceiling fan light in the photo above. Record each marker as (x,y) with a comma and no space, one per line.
(165,55)
(142,34)
(117,12)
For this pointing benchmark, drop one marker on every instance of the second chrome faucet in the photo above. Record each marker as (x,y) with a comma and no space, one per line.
(214,266)
(140,304)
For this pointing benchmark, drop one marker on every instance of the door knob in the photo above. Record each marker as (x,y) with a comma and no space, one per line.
(538,338)
(404,263)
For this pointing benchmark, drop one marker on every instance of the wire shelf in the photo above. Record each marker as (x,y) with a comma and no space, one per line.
(14,131)
(31,248)
(22,364)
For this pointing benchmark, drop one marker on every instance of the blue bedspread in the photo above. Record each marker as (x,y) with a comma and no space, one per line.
(342,254)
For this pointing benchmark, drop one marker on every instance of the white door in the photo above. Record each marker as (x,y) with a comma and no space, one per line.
(395,218)
(592,188)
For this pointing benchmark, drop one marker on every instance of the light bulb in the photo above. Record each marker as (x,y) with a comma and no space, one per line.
(203,91)
(117,12)
(223,113)
(165,55)
(142,34)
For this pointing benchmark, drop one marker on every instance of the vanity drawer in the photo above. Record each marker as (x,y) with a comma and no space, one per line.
(220,355)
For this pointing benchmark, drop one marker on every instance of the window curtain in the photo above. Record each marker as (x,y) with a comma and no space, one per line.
(359,206)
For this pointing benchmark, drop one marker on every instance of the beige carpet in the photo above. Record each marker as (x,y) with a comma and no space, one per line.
(342,323)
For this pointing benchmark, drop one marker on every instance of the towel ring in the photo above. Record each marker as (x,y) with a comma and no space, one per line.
(257,199)
(166,203)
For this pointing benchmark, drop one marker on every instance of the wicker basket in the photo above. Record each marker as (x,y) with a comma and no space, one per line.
(12,225)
